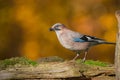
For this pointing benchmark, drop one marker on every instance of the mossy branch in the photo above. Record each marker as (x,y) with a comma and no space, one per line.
(23,68)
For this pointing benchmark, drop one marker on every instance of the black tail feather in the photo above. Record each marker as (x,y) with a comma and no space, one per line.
(109,43)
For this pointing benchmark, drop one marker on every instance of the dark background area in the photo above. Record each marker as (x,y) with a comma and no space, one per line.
(24,27)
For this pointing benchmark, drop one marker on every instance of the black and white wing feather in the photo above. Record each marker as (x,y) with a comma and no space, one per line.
(86,38)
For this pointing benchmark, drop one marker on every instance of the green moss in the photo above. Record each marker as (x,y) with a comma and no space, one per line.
(21,61)
(95,63)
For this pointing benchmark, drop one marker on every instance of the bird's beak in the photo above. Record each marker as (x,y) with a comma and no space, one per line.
(51,29)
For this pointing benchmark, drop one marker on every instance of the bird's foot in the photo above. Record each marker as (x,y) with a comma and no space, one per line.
(83,60)
(73,60)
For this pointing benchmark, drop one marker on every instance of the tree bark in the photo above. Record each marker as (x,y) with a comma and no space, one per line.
(66,70)
(117,53)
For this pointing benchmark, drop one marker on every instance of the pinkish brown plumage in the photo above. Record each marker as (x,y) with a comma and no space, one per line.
(75,41)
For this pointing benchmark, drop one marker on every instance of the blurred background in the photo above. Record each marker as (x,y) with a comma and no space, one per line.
(24,27)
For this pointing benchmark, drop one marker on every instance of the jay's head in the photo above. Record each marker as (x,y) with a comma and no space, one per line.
(57,27)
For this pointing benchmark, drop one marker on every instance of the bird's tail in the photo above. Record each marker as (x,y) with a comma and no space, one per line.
(108,43)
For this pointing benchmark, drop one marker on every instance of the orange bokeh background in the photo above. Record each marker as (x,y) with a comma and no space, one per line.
(25,24)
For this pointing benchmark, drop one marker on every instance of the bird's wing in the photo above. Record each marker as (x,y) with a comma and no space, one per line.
(86,38)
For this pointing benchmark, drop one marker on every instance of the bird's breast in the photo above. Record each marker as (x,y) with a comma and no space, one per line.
(67,42)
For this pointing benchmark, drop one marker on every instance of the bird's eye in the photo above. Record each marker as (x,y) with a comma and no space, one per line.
(57,27)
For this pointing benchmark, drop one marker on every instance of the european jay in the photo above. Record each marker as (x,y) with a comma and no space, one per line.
(75,41)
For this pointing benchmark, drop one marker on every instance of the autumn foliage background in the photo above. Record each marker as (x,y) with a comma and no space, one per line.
(24,27)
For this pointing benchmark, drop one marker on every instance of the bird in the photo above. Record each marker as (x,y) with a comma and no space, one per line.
(76,41)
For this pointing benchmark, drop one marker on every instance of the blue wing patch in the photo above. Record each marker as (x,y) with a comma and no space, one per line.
(78,40)
(86,38)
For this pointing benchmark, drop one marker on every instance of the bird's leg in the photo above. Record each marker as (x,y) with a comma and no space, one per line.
(85,56)
(77,55)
